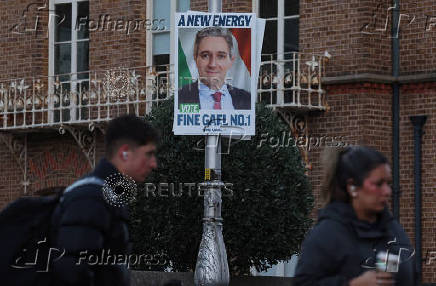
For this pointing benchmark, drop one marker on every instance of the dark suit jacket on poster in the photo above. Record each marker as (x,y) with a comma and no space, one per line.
(189,93)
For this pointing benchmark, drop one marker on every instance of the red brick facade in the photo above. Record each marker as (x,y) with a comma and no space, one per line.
(361,110)
(117,45)
(242,6)
(23,39)
(336,27)
(359,91)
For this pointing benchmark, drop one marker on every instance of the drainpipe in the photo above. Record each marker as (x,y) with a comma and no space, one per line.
(395,111)
(418,122)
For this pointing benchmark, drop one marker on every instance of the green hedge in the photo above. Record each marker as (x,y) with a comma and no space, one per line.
(266,210)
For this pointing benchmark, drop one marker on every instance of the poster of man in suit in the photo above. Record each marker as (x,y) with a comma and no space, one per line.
(215,88)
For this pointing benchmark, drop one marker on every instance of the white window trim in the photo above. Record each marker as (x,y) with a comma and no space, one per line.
(51,59)
(280,49)
(149,36)
(149,33)
(280,41)
(172,29)
(280,22)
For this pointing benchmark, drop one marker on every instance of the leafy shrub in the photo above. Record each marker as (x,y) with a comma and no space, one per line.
(266,210)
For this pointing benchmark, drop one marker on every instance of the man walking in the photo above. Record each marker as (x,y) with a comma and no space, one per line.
(92,232)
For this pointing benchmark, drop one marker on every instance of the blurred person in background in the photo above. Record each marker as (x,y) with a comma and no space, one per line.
(355,225)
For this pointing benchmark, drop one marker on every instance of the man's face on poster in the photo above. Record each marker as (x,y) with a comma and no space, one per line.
(213,61)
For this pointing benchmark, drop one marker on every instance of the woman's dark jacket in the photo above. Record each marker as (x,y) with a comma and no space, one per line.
(93,235)
(340,247)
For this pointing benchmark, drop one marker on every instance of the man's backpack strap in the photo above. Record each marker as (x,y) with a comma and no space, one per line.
(85,181)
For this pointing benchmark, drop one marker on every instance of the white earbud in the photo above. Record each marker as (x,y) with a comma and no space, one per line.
(125,156)
(353,191)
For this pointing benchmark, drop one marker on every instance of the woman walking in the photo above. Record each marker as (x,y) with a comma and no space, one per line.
(356,241)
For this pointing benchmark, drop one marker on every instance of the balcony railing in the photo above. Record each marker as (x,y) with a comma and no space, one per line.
(292,80)
(83,98)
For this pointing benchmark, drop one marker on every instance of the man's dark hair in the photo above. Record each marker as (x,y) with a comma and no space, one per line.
(128,129)
(213,32)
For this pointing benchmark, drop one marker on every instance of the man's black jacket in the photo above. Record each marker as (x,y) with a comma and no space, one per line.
(91,232)
(341,247)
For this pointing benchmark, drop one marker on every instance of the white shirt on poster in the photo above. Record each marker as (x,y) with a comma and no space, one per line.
(206,97)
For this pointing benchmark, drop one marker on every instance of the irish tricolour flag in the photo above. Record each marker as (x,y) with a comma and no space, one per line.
(240,73)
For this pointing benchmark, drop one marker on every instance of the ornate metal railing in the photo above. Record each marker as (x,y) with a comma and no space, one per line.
(291,81)
(88,97)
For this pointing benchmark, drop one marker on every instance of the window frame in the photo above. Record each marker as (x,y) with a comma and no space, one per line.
(149,33)
(281,18)
(73,61)
(280,41)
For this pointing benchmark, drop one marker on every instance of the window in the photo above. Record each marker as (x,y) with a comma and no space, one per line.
(161,42)
(279,48)
(160,45)
(279,14)
(69,58)
(279,42)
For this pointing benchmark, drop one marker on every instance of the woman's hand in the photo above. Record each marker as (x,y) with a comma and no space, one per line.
(373,278)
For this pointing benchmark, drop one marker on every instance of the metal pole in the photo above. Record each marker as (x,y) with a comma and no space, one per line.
(396,111)
(418,123)
(212,268)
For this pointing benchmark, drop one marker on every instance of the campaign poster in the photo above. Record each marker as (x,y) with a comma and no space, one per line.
(215,82)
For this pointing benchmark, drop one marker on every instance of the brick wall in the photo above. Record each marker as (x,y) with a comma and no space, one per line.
(419,99)
(418,36)
(243,6)
(23,52)
(337,26)
(10,177)
(359,114)
(358,35)
(116,46)
(52,160)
